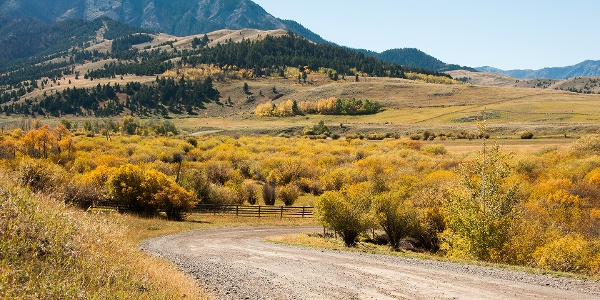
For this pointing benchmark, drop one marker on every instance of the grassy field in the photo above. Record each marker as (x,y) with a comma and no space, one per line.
(409,107)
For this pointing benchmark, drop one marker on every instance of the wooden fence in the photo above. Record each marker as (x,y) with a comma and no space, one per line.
(258,211)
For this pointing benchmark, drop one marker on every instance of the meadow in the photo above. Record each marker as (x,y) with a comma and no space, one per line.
(417,155)
(554,210)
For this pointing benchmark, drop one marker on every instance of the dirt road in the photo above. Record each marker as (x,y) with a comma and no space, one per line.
(235,263)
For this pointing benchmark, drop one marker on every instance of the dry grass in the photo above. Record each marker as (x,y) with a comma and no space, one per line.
(52,251)
(409,107)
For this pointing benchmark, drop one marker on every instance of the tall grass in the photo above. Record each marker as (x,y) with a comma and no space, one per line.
(51,251)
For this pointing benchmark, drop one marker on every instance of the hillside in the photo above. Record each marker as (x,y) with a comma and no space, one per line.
(18,44)
(179,18)
(586,68)
(54,87)
(414,58)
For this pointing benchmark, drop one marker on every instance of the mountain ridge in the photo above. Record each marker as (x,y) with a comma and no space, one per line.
(180,18)
(191,17)
(585,68)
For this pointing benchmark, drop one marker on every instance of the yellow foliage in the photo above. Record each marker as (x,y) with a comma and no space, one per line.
(204,71)
(558,199)
(146,191)
(346,211)
(593,177)
(322,106)
(432,79)
(571,253)
(283,109)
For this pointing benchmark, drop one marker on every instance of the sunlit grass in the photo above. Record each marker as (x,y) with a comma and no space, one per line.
(52,251)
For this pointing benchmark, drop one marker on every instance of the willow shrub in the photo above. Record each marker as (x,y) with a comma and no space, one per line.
(346,211)
(396,215)
(148,191)
(481,212)
(570,253)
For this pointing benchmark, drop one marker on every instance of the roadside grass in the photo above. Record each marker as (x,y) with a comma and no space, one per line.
(312,240)
(52,251)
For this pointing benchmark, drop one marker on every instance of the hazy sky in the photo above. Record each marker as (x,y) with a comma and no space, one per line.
(524,34)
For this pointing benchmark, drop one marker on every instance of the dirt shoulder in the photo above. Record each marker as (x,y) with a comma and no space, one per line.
(234,263)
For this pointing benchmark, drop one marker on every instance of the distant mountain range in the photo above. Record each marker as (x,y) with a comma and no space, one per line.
(179,18)
(586,68)
(19,18)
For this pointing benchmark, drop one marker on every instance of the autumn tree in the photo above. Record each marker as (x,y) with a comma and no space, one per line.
(396,215)
(148,191)
(288,194)
(482,211)
(38,142)
(346,211)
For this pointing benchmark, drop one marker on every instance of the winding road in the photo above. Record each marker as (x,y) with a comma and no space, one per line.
(234,263)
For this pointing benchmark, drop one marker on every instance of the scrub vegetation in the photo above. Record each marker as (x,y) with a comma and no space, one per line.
(537,208)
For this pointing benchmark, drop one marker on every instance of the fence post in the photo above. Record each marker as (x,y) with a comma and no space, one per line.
(281,213)
(259,211)
(236,210)
(303,211)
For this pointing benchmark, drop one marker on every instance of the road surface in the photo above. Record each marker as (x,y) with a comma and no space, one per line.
(234,263)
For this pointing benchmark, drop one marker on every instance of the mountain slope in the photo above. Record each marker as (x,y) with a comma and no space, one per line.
(414,58)
(25,37)
(180,18)
(586,68)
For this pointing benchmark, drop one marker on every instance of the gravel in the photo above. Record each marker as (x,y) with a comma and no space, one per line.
(234,263)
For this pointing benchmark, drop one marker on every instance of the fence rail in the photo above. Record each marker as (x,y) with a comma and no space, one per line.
(258,211)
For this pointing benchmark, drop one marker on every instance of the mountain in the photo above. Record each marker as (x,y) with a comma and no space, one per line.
(188,17)
(586,68)
(181,18)
(17,43)
(414,58)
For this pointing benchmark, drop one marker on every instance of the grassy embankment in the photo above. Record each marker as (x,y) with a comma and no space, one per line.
(52,251)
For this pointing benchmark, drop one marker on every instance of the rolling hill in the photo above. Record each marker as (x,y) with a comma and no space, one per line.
(414,58)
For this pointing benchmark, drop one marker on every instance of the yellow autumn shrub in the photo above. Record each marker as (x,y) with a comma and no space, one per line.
(571,253)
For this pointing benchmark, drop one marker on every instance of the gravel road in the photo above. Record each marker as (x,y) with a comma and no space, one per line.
(234,263)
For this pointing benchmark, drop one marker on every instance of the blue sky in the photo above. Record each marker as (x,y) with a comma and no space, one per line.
(525,34)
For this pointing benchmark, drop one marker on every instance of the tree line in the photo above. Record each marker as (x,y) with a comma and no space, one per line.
(291,50)
(160,98)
